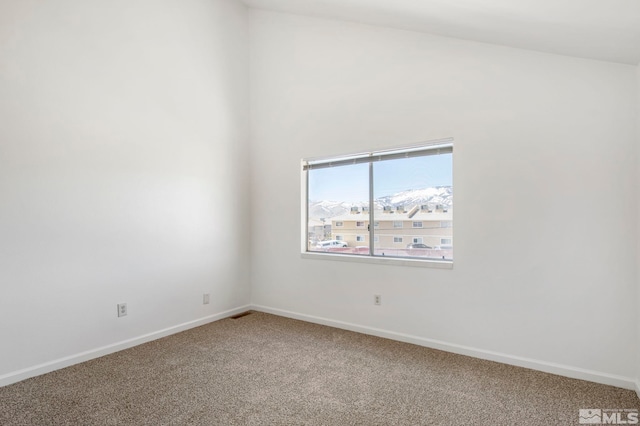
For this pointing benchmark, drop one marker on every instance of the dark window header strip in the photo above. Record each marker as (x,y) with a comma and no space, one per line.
(378,156)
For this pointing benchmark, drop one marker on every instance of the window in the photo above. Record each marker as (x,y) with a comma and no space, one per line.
(386,188)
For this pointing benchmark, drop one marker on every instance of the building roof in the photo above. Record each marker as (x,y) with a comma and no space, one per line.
(315,222)
(380,216)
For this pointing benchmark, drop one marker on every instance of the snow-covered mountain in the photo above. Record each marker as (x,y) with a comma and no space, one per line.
(431,196)
(329,209)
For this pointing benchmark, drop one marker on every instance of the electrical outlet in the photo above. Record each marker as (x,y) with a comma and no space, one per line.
(377,299)
(122,309)
(205,299)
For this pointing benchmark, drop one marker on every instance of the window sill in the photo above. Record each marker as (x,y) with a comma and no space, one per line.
(438,264)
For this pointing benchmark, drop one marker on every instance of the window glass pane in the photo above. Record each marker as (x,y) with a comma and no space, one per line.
(338,203)
(413,206)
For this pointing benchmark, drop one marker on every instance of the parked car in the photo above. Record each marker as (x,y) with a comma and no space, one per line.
(324,245)
(418,246)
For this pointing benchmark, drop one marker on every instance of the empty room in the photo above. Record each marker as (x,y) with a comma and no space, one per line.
(241,212)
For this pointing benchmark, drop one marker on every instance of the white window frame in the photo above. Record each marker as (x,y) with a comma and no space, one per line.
(398,239)
(339,224)
(397,224)
(360,224)
(360,238)
(442,146)
(413,224)
(417,240)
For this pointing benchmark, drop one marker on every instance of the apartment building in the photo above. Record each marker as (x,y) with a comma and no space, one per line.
(396,228)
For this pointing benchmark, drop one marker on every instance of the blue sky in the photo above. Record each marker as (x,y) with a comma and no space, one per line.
(351,183)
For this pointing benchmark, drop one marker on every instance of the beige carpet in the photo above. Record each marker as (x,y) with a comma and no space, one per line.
(267,370)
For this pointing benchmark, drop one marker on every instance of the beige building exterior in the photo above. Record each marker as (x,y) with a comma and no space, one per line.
(396,228)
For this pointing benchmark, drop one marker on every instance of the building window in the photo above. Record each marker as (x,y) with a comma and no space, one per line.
(399,184)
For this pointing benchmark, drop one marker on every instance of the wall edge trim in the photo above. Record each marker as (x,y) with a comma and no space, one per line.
(67,361)
(533,364)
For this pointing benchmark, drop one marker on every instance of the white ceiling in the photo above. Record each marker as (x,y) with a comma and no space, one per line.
(607,30)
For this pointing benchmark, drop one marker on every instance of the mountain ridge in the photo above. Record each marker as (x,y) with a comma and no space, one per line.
(431,196)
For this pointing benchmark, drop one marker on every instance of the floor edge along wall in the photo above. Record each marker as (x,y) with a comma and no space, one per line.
(547,367)
(57,364)
(562,370)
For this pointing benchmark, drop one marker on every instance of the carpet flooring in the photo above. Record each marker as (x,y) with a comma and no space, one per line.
(262,369)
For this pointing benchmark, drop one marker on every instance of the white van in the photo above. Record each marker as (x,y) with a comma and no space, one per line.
(325,245)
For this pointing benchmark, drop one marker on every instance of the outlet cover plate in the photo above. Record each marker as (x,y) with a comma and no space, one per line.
(122,309)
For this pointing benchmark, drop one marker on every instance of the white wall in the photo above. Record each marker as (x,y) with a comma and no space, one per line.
(638,258)
(544,175)
(123,176)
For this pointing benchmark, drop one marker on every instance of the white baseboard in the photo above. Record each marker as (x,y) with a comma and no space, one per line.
(562,370)
(547,367)
(67,361)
